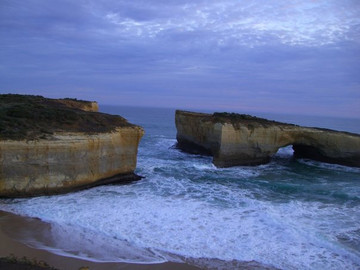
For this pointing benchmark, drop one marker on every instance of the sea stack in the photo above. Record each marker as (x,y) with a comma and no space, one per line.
(51,146)
(238,139)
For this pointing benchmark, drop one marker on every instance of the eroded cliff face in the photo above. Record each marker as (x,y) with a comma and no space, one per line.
(88,106)
(235,140)
(67,162)
(199,135)
(50,146)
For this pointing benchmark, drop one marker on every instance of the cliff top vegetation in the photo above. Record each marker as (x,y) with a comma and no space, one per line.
(235,118)
(35,117)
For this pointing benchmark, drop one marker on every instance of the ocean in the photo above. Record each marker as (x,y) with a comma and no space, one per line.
(288,214)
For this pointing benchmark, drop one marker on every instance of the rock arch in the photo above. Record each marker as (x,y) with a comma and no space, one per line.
(234,139)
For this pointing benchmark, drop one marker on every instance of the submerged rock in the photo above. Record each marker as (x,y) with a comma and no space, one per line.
(50,146)
(236,139)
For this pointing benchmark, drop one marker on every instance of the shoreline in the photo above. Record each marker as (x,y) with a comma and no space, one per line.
(13,228)
(10,230)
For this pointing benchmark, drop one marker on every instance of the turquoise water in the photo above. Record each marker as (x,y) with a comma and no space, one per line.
(291,214)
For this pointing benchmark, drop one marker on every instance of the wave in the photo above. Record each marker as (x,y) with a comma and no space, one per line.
(147,226)
(329,166)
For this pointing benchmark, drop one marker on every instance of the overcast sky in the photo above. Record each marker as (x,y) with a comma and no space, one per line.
(285,56)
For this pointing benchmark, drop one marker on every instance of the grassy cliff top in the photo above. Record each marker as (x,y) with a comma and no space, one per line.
(235,118)
(35,117)
(232,118)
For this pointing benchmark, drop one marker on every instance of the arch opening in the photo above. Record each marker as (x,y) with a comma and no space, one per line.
(284,152)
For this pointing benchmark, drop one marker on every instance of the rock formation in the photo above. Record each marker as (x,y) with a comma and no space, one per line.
(48,147)
(234,139)
(89,106)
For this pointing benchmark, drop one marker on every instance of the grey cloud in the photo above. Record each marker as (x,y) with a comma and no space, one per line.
(245,23)
(178,53)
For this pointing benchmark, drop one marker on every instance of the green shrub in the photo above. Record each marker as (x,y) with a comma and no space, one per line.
(36,117)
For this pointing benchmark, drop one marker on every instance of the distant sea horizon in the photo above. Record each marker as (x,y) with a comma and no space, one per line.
(340,123)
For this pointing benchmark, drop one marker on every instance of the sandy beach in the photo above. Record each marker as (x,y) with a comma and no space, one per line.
(13,227)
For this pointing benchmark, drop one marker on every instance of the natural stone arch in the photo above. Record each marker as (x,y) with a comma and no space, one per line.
(234,139)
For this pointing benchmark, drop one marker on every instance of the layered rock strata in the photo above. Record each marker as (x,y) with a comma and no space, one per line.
(80,150)
(234,139)
(88,106)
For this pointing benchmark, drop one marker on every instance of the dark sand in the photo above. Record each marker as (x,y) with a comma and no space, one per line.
(12,229)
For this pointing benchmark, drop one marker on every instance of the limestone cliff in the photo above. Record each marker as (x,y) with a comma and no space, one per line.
(76,149)
(234,139)
(89,106)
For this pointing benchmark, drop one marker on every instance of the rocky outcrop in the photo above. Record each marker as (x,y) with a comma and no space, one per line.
(234,139)
(88,106)
(82,149)
(67,162)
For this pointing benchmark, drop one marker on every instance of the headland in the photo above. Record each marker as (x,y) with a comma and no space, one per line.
(51,146)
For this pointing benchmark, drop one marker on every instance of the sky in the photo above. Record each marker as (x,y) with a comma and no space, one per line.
(280,56)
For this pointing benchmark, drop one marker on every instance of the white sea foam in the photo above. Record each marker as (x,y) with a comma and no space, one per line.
(84,243)
(329,166)
(121,218)
(206,167)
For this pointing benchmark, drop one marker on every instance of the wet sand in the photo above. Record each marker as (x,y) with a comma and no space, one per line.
(12,228)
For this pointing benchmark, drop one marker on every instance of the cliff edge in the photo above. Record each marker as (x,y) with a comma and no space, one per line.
(237,139)
(89,106)
(50,146)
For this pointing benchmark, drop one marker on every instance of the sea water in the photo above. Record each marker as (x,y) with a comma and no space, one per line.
(290,214)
